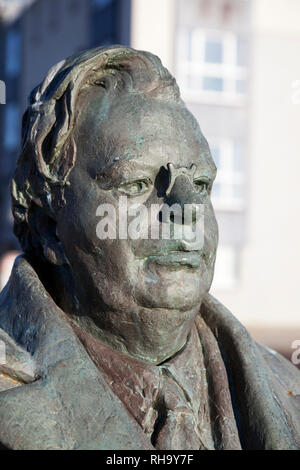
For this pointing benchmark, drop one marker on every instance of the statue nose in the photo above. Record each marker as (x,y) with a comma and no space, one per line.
(183,192)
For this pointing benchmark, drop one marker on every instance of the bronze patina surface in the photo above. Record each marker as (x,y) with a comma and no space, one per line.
(116,343)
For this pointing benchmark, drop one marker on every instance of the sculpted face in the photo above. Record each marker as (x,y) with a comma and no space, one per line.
(133,293)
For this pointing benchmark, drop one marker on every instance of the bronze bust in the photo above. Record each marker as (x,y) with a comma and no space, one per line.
(113,342)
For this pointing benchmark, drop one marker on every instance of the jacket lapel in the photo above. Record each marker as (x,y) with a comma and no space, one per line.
(68,405)
(258,399)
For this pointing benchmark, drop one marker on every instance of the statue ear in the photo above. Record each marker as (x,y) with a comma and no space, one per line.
(43,228)
(53,252)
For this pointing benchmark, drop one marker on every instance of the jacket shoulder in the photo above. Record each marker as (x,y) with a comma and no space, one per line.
(283,370)
(16,364)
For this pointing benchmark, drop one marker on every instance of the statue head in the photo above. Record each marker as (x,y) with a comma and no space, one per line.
(104,133)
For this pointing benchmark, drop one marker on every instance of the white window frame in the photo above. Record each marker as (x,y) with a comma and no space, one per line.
(229,71)
(102,4)
(227,177)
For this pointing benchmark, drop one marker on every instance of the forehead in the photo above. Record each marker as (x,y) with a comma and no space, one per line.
(133,127)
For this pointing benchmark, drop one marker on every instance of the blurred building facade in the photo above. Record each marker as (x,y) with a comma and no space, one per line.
(34,35)
(237,67)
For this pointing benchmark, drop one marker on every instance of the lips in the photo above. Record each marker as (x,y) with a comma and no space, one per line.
(179,258)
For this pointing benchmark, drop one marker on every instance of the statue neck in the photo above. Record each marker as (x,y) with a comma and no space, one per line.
(152,342)
(151,335)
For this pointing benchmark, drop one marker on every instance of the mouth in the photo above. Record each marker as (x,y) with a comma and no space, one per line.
(178,259)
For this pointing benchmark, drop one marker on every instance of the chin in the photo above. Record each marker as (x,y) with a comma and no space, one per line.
(176,291)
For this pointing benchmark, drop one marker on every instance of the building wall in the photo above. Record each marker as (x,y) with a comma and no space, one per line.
(153,28)
(2,106)
(47,30)
(35,40)
(41,35)
(268,291)
(265,295)
(9,124)
(209,67)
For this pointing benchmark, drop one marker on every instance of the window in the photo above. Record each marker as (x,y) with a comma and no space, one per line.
(105,23)
(11,126)
(241,52)
(213,51)
(228,190)
(102,3)
(213,84)
(225,275)
(212,63)
(13,53)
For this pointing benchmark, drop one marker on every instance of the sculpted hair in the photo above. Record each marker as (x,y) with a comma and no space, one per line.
(48,151)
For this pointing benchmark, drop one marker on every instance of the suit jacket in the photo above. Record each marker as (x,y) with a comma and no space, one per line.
(54,397)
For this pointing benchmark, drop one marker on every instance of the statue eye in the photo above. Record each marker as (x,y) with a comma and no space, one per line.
(202,186)
(135,188)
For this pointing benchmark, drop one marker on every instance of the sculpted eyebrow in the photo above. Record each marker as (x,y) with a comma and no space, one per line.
(125,166)
(119,173)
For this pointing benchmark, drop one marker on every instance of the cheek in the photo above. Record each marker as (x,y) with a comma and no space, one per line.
(211,236)
(78,225)
(78,220)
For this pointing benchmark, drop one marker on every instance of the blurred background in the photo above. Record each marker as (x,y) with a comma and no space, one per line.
(237,63)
